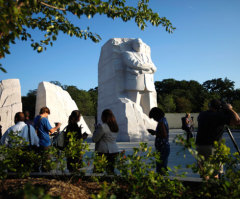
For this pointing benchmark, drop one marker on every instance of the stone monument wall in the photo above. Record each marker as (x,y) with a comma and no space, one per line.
(10,102)
(60,104)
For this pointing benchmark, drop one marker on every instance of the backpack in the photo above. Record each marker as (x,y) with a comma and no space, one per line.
(58,139)
(37,126)
(184,124)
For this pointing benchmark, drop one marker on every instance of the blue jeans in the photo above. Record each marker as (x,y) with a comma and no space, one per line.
(163,147)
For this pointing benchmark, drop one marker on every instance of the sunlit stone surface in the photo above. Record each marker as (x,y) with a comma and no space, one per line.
(126,86)
(10,102)
(60,104)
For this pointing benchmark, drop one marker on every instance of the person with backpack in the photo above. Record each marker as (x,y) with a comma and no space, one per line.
(21,129)
(187,125)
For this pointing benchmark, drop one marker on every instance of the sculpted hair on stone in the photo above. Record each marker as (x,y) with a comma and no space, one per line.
(110,120)
(74,117)
(44,110)
(19,116)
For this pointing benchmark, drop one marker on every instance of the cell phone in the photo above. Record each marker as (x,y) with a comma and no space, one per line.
(151,131)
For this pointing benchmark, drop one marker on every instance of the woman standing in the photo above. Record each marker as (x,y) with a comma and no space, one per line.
(72,126)
(162,135)
(105,137)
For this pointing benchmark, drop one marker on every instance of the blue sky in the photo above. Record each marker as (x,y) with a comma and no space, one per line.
(205,45)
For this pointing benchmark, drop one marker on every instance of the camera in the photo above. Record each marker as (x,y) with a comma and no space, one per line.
(56,124)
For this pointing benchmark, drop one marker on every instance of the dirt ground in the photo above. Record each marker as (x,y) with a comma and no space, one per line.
(78,189)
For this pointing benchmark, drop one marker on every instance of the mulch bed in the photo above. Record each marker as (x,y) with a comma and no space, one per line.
(65,189)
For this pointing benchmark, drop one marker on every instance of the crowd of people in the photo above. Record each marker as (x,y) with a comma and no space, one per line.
(37,132)
(211,125)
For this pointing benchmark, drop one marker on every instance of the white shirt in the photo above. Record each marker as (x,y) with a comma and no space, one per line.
(21,129)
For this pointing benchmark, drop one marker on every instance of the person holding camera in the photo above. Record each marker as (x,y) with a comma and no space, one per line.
(44,130)
(162,138)
(211,125)
(187,125)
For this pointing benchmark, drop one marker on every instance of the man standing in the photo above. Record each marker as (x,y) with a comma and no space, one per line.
(44,129)
(21,129)
(211,126)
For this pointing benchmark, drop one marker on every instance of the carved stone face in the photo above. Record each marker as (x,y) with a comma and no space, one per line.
(137,45)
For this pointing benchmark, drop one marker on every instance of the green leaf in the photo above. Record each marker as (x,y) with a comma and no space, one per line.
(39,49)
(3,69)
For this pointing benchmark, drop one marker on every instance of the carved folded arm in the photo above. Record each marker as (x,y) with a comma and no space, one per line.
(134,63)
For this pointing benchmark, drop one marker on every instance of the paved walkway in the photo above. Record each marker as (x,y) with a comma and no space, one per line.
(177,157)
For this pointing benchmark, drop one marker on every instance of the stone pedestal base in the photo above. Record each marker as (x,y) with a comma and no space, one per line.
(133,123)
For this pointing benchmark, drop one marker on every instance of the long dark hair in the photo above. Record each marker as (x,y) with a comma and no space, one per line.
(73,118)
(110,120)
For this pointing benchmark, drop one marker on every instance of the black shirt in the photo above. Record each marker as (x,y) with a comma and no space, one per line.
(211,126)
(72,128)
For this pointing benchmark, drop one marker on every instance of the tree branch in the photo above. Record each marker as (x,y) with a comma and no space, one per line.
(45,4)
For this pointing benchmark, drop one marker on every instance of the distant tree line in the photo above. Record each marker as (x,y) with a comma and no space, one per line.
(172,96)
(191,96)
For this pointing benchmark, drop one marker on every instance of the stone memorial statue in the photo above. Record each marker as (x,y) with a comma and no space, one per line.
(139,68)
(10,102)
(60,104)
(126,85)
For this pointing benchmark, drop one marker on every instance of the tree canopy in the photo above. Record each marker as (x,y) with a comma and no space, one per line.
(191,96)
(51,17)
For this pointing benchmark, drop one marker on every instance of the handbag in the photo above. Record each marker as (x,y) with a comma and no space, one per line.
(58,139)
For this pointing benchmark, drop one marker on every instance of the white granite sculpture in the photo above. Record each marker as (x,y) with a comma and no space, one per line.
(126,86)
(10,102)
(60,104)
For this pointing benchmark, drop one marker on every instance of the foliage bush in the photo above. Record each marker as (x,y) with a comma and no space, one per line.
(135,173)
(228,184)
(137,178)
(75,150)
(17,158)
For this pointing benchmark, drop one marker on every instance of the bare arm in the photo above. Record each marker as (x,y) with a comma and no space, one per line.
(162,130)
(235,119)
(55,128)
